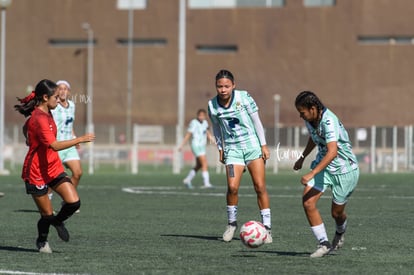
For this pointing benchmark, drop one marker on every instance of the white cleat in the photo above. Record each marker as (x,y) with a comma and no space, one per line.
(43,247)
(269,238)
(207,186)
(188,184)
(229,233)
(338,241)
(323,249)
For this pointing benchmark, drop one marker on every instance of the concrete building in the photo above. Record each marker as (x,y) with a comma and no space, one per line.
(357,55)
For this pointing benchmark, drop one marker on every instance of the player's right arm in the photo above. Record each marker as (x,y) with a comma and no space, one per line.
(185,140)
(308,149)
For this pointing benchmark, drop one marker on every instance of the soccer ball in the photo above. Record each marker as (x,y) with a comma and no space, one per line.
(253,234)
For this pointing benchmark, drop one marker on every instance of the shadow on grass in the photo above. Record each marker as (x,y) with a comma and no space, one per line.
(208,238)
(26,211)
(252,252)
(17,249)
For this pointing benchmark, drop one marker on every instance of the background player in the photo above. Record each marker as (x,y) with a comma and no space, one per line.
(42,168)
(335,166)
(64,116)
(241,142)
(198,133)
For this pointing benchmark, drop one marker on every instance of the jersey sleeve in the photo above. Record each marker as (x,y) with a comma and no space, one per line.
(191,127)
(330,128)
(45,133)
(250,104)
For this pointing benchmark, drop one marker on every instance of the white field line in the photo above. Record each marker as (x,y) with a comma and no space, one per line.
(177,191)
(31,273)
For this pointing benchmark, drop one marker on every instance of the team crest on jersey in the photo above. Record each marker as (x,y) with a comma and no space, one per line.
(238,106)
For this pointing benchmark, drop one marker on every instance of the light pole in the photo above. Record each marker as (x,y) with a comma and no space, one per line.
(181,84)
(3,5)
(89,96)
(130,74)
(276,98)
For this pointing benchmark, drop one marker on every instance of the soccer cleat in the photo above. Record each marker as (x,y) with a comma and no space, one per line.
(206,186)
(43,247)
(229,233)
(269,238)
(63,233)
(1,194)
(77,211)
(338,241)
(188,184)
(323,249)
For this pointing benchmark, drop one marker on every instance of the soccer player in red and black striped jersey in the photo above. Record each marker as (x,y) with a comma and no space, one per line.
(42,168)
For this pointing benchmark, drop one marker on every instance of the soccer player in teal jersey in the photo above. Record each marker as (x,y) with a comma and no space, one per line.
(64,116)
(241,142)
(335,167)
(198,133)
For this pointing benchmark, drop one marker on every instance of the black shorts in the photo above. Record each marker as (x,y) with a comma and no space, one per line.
(40,190)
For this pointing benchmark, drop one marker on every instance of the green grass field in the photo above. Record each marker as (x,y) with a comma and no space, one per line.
(150,224)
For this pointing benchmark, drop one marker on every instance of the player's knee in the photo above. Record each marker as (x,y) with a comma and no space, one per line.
(309,205)
(338,215)
(260,189)
(72,207)
(232,190)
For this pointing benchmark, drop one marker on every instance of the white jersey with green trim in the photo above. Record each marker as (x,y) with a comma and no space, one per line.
(64,118)
(331,129)
(198,130)
(236,125)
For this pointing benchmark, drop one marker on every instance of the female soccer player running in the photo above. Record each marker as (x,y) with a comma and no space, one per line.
(42,168)
(198,132)
(335,167)
(241,142)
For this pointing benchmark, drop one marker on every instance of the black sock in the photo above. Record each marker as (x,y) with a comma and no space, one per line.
(66,211)
(43,227)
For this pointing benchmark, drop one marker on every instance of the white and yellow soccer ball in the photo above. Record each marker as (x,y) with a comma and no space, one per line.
(253,234)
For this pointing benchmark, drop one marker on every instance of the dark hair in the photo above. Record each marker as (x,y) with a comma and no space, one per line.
(201,111)
(308,99)
(225,74)
(27,104)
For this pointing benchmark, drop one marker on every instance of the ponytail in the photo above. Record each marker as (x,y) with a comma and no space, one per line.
(29,103)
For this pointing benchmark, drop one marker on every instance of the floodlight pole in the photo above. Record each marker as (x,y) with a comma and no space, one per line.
(181,85)
(3,5)
(89,111)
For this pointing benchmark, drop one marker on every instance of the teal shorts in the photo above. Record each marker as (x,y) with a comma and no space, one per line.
(241,156)
(342,185)
(198,150)
(69,154)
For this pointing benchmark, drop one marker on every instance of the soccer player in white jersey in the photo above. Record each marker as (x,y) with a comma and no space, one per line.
(335,167)
(198,133)
(241,142)
(64,116)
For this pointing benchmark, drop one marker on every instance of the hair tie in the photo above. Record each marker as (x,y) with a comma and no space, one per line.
(28,98)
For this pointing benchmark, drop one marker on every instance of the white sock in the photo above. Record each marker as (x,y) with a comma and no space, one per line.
(190,175)
(266,217)
(341,228)
(206,177)
(231,213)
(320,233)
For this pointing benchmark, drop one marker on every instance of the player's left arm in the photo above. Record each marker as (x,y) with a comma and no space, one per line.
(326,160)
(258,126)
(331,137)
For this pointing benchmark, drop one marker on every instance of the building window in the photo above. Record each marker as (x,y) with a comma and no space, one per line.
(318,3)
(132,4)
(222,4)
(143,42)
(78,43)
(217,49)
(386,40)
